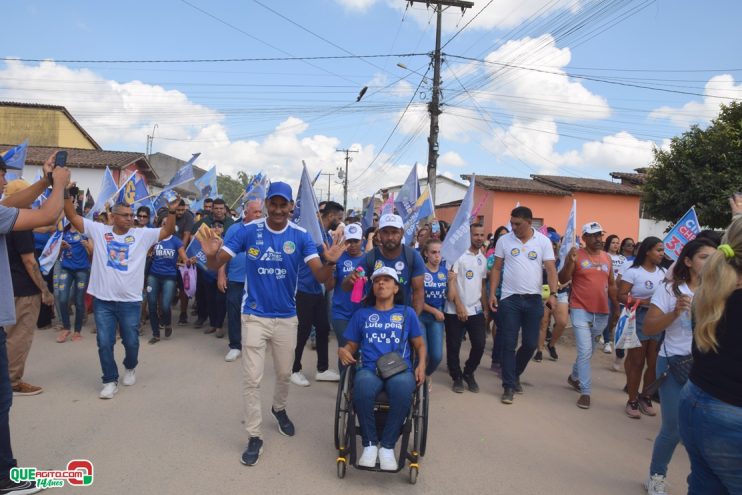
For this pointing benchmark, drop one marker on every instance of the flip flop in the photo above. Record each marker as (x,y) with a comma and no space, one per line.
(62,337)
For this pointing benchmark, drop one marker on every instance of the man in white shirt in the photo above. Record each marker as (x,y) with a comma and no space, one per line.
(116,283)
(523,254)
(466,311)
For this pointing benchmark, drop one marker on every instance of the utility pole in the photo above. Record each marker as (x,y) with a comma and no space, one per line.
(434,107)
(329,177)
(344,176)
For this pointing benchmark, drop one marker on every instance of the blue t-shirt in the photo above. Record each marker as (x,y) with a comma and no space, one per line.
(165,257)
(236,266)
(342,307)
(40,240)
(75,257)
(404,272)
(378,332)
(273,266)
(435,286)
(307,283)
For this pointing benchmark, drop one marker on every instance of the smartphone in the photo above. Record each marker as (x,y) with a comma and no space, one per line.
(60,159)
(435,228)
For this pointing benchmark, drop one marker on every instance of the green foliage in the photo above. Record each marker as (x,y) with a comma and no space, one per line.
(229,188)
(703,167)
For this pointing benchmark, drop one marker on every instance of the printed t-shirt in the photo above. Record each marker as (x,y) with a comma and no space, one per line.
(590,282)
(342,307)
(470,269)
(522,262)
(404,272)
(74,257)
(165,257)
(644,283)
(436,284)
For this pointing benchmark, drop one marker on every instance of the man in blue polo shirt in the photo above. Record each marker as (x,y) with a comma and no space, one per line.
(275,248)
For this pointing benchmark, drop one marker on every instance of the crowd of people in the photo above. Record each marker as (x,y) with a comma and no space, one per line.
(265,283)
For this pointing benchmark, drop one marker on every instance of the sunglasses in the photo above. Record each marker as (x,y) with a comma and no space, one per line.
(125,215)
(142,216)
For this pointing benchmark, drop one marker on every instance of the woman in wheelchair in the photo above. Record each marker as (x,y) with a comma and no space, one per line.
(383,326)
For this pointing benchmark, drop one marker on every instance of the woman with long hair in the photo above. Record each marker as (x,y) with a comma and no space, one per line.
(627,248)
(710,416)
(669,312)
(436,289)
(640,281)
(613,248)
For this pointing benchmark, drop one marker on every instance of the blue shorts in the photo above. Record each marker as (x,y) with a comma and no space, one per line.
(641,312)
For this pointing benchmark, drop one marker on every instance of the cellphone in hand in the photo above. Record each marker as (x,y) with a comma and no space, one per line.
(60,159)
(435,228)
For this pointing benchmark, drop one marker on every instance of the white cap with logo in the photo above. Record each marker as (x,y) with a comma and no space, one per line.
(353,231)
(592,228)
(390,220)
(385,271)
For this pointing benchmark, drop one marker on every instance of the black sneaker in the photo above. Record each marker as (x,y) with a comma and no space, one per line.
(154,340)
(507,396)
(518,389)
(458,386)
(183,320)
(168,332)
(471,383)
(285,426)
(22,488)
(549,335)
(552,353)
(538,357)
(252,452)
(575,384)
(199,323)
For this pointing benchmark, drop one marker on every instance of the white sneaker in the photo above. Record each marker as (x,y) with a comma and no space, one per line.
(109,390)
(608,348)
(129,378)
(387,460)
(617,364)
(601,341)
(327,376)
(232,355)
(368,457)
(656,485)
(299,379)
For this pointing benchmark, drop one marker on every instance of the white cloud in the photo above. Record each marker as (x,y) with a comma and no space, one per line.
(452,159)
(357,5)
(702,112)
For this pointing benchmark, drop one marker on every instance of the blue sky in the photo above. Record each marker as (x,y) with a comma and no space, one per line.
(576,103)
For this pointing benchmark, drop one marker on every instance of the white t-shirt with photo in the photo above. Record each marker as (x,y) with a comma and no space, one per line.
(470,270)
(619,262)
(523,263)
(644,283)
(679,334)
(117,270)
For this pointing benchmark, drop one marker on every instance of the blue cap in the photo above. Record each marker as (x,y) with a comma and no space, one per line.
(280,189)
(554,237)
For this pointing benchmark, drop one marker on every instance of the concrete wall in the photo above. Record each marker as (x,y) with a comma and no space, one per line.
(42,127)
(84,177)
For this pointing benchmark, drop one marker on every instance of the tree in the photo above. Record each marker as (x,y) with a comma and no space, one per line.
(703,167)
(229,188)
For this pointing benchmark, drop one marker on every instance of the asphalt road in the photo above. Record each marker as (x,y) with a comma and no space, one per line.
(179,429)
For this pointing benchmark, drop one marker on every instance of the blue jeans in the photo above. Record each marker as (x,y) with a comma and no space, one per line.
(235,292)
(109,315)
(712,434)
(497,341)
(587,328)
(69,280)
(160,285)
(669,436)
(433,336)
(6,400)
(366,387)
(515,312)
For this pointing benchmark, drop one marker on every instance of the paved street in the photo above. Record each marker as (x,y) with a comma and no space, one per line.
(178,430)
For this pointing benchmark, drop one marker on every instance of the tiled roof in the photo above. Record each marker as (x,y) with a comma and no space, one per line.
(451,204)
(80,158)
(57,108)
(516,184)
(636,179)
(575,184)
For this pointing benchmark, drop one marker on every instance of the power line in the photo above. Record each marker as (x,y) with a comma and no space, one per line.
(219,60)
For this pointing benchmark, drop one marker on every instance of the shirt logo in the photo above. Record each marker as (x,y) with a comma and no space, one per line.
(649,284)
(532,255)
(441,276)
(469,274)
(289,247)
(352,229)
(253,253)
(396,317)
(585,264)
(280,273)
(271,255)
(514,252)
(373,318)
(348,264)
(479,261)
(428,278)
(129,239)
(378,265)
(108,236)
(399,266)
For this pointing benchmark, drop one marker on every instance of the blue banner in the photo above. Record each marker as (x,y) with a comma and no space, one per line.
(194,251)
(568,241)
(685,230)
(306,211)
(183,175)
(206,184)
(50,253)
(458,238)
(368,217)
(133,190)
(107,189)
(407,196)
(15,157)
(422,208)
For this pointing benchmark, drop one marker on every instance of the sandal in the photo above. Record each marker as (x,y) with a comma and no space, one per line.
(76,337)
(62,337)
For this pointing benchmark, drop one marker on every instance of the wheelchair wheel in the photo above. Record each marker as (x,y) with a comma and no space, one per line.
(420,421)
(424,433)
(341,466)
(342,410)
(413,475)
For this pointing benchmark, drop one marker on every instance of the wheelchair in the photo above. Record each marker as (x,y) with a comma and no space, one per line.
(347,427)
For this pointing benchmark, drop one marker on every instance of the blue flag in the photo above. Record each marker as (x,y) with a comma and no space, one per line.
(107,189)
(133,190)
(405,200)
(15,158)
(368,216)
(314,181)
(568,241)
(206,184)
(458,238)
(306,211)
(257,188)
(194,250)
(50,253)
(183,175)
(422,208)
(685,230)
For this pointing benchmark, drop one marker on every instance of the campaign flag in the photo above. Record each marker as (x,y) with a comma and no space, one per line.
(422,208)
(314,181)
(89,201)
(107,189)
(306,211)
(206,184)
(408,195)
(475,211)
(368,216)
(458,239)
(15,157)
(568,241)
(685,230)
(134,190)
(194,250)
(257,188)
(40,200)
(50,253)
(388,206)
(183,175)
(197,205)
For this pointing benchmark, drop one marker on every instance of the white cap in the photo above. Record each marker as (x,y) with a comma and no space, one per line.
(390,220)
(385,270)
(353,231)
(592,228)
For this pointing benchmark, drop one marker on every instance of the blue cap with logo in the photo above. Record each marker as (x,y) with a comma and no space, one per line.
(279,189)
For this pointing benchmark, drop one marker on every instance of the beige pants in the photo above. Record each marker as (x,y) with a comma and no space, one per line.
(20,335)
(257,334)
